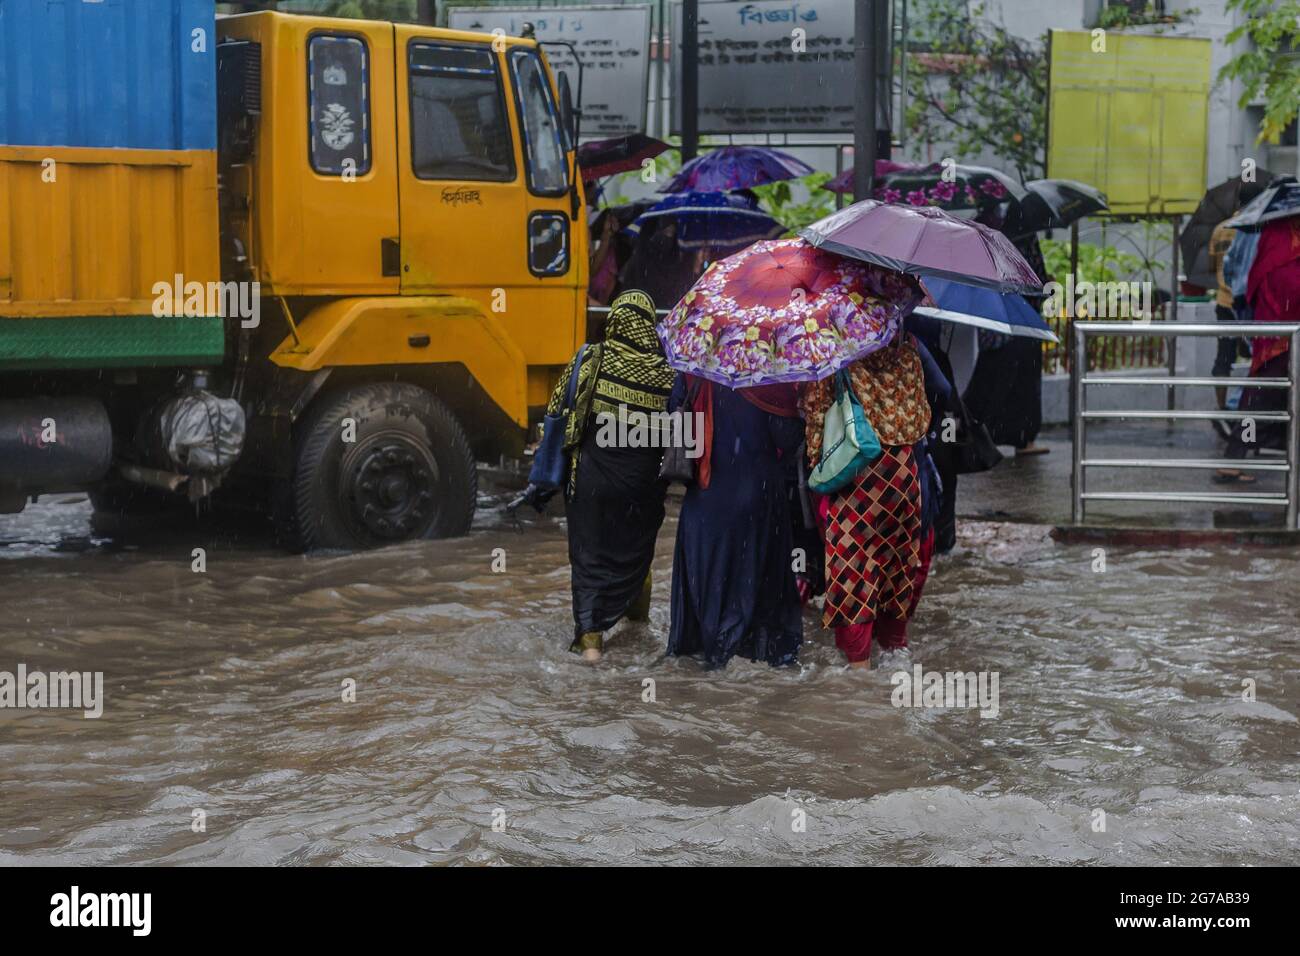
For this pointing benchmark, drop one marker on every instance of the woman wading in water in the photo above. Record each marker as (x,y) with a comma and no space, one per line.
(876,559)
(615,498)
(733,588)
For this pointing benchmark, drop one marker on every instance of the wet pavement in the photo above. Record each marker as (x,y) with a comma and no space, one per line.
(1036,488)
(1122,735)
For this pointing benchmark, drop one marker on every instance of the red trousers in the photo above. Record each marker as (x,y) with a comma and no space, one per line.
(855,639)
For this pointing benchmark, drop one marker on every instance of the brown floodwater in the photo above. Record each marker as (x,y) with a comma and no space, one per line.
(1120,692)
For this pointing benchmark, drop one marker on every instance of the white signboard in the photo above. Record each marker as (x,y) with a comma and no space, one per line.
(771,66)
(613,44)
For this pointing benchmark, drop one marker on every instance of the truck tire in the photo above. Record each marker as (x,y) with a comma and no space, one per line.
(408,473)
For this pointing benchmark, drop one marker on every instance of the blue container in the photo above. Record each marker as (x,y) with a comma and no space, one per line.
(136,74)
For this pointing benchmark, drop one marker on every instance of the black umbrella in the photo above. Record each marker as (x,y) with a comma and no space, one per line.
(1054,204)
(1216,205)
(624,214)
(605,157)
(1281,200)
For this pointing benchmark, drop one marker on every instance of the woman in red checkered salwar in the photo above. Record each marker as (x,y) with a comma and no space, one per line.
(876,556)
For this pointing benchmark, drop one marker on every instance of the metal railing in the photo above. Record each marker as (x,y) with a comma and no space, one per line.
(1104,352)
(1081,378)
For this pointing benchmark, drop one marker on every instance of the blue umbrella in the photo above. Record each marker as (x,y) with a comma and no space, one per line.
(711,220)
(1007,313)
(736,167)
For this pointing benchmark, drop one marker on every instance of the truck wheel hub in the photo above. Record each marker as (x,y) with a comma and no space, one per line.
(391,488)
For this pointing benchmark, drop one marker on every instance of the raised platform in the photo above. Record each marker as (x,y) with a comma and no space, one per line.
(1036,489)
(1167,538)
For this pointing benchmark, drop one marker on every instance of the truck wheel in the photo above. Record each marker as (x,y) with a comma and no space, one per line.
(407,473)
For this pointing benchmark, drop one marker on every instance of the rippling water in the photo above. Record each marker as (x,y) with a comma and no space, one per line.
(1120,692)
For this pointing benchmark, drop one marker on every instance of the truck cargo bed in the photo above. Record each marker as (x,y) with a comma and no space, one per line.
(108,180)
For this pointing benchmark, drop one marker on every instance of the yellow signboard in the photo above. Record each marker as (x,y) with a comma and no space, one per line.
(1129,114)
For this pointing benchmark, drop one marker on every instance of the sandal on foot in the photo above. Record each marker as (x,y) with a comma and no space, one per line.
(1231,476)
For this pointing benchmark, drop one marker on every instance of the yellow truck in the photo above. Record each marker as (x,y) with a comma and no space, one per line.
(365,280)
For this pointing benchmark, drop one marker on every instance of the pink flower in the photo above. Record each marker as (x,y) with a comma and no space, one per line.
(917,197)
(944,191)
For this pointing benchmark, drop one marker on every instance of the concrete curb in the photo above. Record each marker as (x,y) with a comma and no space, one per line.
(1171,538)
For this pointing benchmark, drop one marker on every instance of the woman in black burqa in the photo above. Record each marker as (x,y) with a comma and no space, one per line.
(614,502)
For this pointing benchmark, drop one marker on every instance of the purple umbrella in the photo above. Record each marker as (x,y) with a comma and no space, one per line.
(843,183)
(736,167)
(925,241)
(711,220)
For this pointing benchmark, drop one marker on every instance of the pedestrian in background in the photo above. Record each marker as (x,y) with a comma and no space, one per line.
(1221,240)
(1006,389)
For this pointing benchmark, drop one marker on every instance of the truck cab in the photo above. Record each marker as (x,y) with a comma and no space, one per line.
(409,201)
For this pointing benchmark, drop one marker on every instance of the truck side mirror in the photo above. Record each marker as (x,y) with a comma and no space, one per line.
(569,117)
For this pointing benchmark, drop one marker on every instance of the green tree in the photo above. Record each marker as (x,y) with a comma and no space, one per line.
(399,10)
(1095,261)
(783,203)
(972,83)
(1119,16)
(1272,68)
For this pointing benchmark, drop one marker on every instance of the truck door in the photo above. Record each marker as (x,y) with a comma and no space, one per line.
(459,193)
(480,210)
(334,228)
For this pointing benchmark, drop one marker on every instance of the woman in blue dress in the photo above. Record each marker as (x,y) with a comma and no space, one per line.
(734,588)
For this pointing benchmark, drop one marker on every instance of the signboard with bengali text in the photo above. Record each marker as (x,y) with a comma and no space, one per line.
(772,66)
(613,43)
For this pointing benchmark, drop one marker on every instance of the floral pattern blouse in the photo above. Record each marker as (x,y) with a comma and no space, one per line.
(890,384)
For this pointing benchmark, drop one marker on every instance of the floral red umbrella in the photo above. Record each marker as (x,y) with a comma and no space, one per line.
(784,311)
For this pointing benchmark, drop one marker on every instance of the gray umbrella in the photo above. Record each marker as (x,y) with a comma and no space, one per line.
(1281,200)
(924,241)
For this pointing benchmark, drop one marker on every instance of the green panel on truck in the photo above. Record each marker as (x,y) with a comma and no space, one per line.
(110,341)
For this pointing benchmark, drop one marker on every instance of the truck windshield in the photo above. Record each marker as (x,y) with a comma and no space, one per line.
(547,174)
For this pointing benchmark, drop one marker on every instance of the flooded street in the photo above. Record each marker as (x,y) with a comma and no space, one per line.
(1120,691)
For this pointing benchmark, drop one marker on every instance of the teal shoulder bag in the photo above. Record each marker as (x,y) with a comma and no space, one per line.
(849,443)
